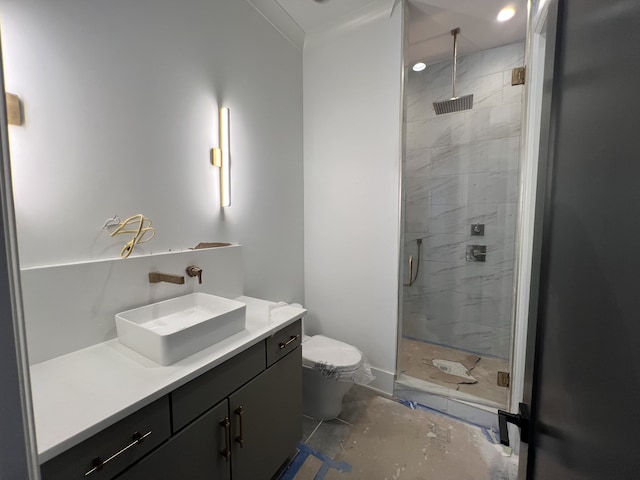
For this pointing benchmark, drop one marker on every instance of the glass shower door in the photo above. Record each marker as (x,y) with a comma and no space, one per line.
(460,177)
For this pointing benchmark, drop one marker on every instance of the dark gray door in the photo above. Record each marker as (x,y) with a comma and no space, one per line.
(585,395)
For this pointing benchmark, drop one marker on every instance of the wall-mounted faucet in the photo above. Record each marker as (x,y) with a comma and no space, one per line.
(157,277)
(194,271)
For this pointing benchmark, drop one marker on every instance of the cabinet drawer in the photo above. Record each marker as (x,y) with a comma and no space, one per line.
(283,342)
(109,446)
(196,397)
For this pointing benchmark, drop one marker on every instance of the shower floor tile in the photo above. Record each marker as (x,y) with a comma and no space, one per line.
(416,358)
(390,440)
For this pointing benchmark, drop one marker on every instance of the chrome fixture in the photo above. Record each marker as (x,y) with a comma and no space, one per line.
(292,338)
(454,104)
(98,463)
(477,229)
(476,253)
(194,271)
(157,277)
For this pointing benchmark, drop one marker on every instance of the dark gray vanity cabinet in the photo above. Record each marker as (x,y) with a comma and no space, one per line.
(266,416)
(113,449)
(239,421)
(248,436)
(192,454)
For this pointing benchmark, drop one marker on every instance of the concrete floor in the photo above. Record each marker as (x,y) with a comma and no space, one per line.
(377,438)
(416,358)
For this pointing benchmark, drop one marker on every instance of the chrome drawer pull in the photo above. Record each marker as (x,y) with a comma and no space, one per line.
(98,463)
(292,339)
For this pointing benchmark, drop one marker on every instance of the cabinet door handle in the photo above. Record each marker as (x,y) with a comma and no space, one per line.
(292,339)
(240,438)
(226,453)
(97,463)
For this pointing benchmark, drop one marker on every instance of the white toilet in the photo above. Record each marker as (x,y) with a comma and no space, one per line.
(330,368)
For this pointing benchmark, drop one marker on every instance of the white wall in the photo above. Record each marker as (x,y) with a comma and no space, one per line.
(73,306)
(352,113)
(120,101)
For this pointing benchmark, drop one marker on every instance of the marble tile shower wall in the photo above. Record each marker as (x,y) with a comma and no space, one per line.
(460,169)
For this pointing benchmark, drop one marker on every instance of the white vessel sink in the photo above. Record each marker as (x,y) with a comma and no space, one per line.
(171,330)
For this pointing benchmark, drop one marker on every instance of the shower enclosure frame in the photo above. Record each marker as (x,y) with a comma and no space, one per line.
(517,343)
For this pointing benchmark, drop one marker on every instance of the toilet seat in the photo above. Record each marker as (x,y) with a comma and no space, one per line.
(326,354)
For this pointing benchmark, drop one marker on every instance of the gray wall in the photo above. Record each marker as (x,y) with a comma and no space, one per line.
(460,169)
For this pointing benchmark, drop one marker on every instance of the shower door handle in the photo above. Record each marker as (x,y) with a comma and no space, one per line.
(410,272)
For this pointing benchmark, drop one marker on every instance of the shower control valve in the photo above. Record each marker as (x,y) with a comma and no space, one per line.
(194,271)
(476,253)
(477,229)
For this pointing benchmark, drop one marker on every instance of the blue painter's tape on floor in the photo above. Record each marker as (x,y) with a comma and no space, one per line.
(491,435)
(322,473)
(294,466)
(327,464)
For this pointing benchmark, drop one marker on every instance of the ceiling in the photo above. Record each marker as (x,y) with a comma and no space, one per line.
(430,22)
(311,15)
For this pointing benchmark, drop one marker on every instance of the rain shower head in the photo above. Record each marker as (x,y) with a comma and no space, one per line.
(454,104)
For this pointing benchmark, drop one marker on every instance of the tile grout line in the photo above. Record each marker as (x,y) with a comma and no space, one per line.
(344,421)
(313,432)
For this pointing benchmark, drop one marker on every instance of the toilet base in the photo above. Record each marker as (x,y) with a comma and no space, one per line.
(322,397)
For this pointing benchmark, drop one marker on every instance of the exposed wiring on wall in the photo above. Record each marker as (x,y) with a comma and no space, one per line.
(111,222)
(143,233)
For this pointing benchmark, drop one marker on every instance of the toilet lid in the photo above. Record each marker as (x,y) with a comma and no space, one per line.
(321,350)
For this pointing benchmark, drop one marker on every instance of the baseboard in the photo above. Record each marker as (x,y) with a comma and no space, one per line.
(383,382)
(470,412)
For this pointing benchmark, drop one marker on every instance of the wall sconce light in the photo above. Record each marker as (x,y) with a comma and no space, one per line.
(220,157)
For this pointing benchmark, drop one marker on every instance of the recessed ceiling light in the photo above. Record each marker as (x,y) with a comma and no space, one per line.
(418,67)
(506,13)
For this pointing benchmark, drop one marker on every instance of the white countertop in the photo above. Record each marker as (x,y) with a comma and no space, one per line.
(79,394)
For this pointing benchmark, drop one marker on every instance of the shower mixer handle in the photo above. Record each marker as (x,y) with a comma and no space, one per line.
(194,271)
(476,253)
